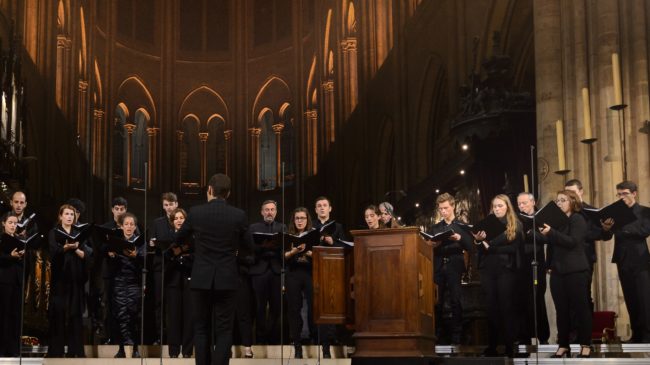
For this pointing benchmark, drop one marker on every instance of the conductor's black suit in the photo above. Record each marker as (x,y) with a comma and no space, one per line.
(220,230)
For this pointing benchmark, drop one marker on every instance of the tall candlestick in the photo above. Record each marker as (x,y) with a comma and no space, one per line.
(616,73)
(559,132)
(525,183)
(586,113)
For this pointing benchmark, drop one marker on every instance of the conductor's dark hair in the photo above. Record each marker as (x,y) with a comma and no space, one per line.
(574,182)
(627,184)
(220,184)
(119,201)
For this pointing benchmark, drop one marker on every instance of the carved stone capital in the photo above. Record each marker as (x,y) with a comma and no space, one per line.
(255,132)
(311,114)
(277,128)
(83,85)
(227,135)
(179,135)
(152,131)
(349,44)
(328,86)
(130,127)
(203,136)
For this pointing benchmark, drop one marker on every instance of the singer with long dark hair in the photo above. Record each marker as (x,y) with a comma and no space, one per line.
(69,276)
(498,262)
(11,276)
(178,274)
(569,275)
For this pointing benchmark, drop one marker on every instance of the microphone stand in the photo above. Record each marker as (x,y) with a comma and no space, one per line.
(162,303)
(535,263)
(143,286)
(22,307)
(282,275)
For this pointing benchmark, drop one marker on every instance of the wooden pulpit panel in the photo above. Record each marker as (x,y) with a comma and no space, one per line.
(331,285)
(394,293)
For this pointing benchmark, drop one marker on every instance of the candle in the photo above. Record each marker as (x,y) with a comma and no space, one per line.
(586,113)
(559,132)
(525,183)
(616,73)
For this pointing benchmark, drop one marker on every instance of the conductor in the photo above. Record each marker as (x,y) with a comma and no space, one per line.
(220,232)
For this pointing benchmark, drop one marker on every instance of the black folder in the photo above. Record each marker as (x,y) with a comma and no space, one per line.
(118,244)
(619,211)
(440,236)
(25,224)
(328,229)
(9,243)
(309,238)
(491,225)
(163,245)
(104,234)
(267,239)
(551,214)
(61,236)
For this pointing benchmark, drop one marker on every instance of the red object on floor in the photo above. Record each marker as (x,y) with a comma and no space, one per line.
(603,329)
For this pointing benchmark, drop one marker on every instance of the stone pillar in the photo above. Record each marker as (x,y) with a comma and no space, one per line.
(255,156)
(312,141)
(153,148)
(277,129)
(350,78)
(60,71)
(227,136)
(82,133)
(98,162)
(130,128)
(330,116)
(203,137)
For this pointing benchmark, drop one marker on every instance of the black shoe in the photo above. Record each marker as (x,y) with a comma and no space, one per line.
(135,354)
(187,356)
(326,352)
(173,356)
(298,351)
(585,352)
(560,354)
(120,354)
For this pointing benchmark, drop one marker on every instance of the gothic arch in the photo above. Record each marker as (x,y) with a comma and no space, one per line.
(83,48)
(430,106)
(310,83)
(326,37)
(136,95)
(273,94)
(60,17)
(99,95)
(203,102)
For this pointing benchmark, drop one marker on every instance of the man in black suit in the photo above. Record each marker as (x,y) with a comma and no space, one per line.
(265,275)
(525,282)
(220,232)
(632,259)
(161,230)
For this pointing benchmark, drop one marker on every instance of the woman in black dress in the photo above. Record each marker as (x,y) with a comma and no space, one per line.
(570,276)
(498,264)
(11,276)
(69,275)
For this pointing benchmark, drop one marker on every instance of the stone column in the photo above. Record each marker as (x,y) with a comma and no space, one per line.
(277,129)
(203,137)
(81,115)
(350,78)
(312,141)
(255,156)
(153,148)
(60,71)
(130,128)
(98,162)
(227,136)
(330,116)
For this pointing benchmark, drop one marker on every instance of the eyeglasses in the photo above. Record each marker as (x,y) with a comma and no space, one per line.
(561,200)
(300,219)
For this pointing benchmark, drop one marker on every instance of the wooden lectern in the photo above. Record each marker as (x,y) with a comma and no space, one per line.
(389,284)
